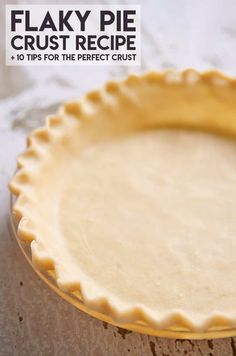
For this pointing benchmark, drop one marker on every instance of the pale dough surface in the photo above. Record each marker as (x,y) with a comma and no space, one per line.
(149,219)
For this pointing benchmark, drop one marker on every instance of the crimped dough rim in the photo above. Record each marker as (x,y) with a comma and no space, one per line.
(223,90)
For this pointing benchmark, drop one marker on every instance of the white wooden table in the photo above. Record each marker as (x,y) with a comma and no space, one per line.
(33,319)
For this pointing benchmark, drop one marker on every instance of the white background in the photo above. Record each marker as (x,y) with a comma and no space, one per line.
(184,33)
(92,27)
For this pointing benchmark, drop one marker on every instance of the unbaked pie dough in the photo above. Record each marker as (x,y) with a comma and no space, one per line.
(130,195)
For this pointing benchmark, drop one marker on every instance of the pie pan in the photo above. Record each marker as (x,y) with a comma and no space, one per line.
(171,100)
(48,277)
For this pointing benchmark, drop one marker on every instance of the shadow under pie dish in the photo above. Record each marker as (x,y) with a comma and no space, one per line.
(129,196)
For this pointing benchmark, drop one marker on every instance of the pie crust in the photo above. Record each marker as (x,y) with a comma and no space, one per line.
(129,195)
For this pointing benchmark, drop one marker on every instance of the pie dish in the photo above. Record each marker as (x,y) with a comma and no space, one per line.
(129,194)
